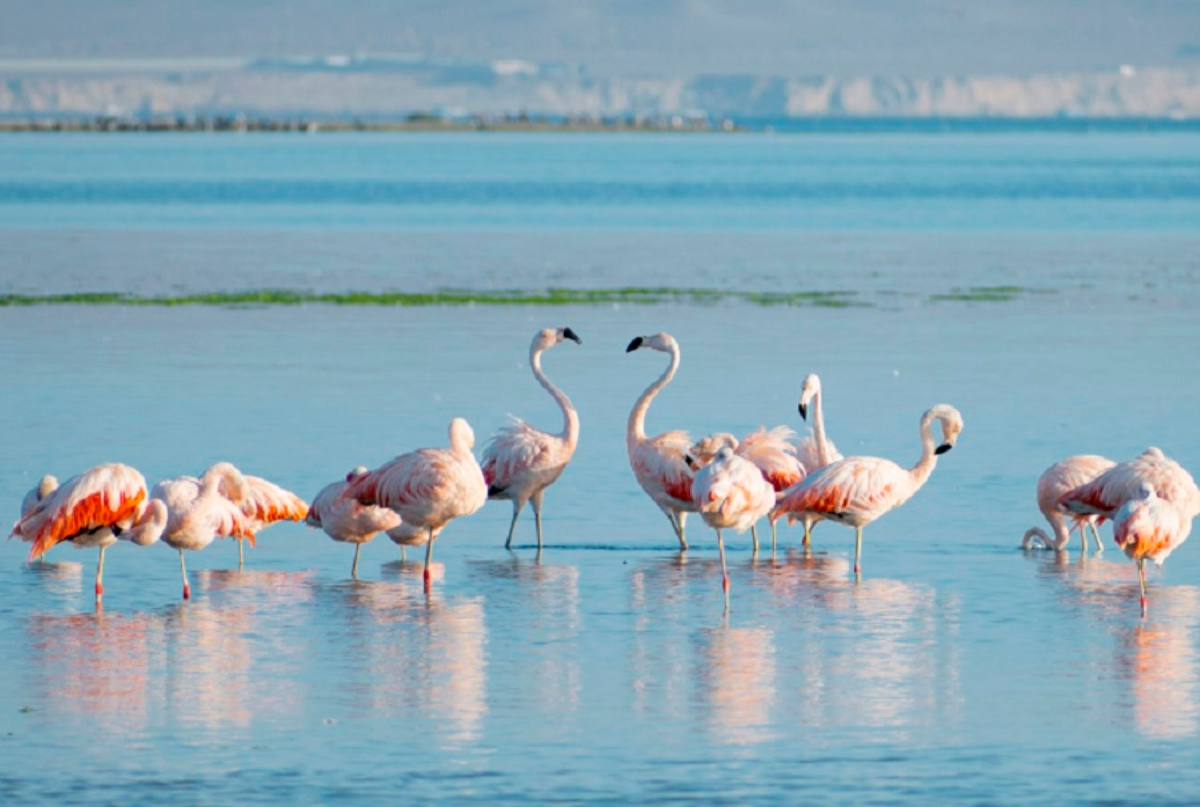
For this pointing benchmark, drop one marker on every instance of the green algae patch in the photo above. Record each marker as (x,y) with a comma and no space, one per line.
(450,297)
(987,294)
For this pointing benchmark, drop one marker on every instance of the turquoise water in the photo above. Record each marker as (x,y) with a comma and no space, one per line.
(959,668)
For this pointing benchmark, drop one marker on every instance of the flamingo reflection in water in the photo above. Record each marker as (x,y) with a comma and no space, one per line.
(1158,660)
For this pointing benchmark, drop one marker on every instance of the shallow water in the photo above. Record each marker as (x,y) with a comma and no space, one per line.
(959,668)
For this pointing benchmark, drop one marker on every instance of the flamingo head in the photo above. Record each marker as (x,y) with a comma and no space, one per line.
(549,337)
(357,472)
(661,341)
(150,523)
(810,388)
(462,437)
(952,425)
(703,452)
(46,485)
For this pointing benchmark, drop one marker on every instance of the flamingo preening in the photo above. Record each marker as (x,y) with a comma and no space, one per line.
(816,450)
(857,490)
(520,462)
(771,451)
(96,508)
(1149,528)
(345,520)
(199,510)
(1105,494)
(428,487)
(1055,481)
(731,493)
(659,463)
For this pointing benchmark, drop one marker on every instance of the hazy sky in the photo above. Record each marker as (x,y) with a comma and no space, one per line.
(910,37)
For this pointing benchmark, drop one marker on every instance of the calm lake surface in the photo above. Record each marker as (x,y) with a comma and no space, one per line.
(958,668)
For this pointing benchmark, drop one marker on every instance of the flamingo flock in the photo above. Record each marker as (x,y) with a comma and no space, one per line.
(731,483)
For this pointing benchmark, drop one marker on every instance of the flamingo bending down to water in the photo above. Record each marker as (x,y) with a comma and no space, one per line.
(857,490)
(659,463)
(731,493)
(346,520)
(1105,494)
(520,462)
(96,508)
(816,450)
(772,452)
(1149,528)
(428,487)
(264,503)
(1055,481)
(198,510)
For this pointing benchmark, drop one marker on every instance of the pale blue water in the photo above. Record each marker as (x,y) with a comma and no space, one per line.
(959,668)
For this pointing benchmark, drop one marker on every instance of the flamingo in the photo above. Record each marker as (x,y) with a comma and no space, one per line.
(772,452)
(263,504)
(1055,481)
(816,449)
(1105,494)
(659,463)
(520,462)
(1149,528)
(346,520)
(96,508)
(428,487)
(857,490)
(731,493)
(198,510)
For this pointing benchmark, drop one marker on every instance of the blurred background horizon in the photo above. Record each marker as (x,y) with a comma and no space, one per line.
(761,59)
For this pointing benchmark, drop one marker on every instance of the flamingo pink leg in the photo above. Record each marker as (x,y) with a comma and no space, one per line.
(724,574)
(858,551)
(100,576)
(1141,566)
(187,590)
(428,561)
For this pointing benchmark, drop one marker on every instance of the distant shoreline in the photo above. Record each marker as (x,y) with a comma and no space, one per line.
(425,124)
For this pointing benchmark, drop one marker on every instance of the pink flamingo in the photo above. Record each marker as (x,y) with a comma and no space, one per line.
(857,490)
(428,487)
(1057,480)
(659,463)
(198,510)
(94,509)
(731,493)
(520,462)
(1105,494)
(1149,528)
(816,449)
(265,503)
(346,520)
(772,452)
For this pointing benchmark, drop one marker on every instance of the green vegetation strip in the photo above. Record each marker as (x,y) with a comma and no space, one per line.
(987,294)
(448,297)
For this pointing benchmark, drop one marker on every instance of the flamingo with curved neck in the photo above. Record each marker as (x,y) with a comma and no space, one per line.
(857,490)
(520,462)
(1057,480)
(659,463)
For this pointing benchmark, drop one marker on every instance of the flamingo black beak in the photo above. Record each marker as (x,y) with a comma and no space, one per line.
(943,448)
(570,334)
(634,345)
(803,412)
(691,463)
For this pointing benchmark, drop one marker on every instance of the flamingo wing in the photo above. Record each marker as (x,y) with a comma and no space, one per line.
(265,503)
(773,453)
(104,496)
(515,448)
(1105,494)
(851,485)
(659,462)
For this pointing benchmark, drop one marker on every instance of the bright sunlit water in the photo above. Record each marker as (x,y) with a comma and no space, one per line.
(958,668)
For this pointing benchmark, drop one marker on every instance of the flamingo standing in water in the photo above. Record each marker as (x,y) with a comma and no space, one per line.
(346,520)
(1105,494)
(772,452)
(198,510)
(659,463)
(816,449)
(520,462)
(857,490)
(1149,528)
(731,493)
(1057,480)
(96,508)
(265,503)
(429,487)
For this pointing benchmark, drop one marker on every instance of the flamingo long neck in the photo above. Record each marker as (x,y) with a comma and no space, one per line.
(920,472)
(636,430)
(1058,542)
(819,430)
(570,432)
